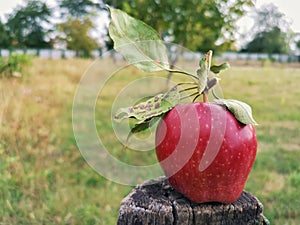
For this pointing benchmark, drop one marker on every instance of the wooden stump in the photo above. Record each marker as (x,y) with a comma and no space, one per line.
(156,202)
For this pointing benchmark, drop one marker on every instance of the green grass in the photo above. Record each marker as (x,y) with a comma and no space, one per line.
(45,180)
(273,94)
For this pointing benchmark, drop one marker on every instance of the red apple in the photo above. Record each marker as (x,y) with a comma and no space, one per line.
(205,152)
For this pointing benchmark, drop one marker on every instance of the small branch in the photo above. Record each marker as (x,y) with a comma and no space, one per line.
(210,84)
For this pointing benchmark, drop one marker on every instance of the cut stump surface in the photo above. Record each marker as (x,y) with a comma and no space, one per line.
(156,202)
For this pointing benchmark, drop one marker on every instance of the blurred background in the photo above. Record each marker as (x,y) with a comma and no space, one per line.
(45,48)
(261,26)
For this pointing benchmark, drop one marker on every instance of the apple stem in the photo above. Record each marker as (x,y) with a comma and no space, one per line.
(205,99)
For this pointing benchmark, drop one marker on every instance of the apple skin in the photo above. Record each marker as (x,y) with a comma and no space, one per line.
(182,142)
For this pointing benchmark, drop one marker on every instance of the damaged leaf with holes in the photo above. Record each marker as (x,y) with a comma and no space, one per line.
(153,107)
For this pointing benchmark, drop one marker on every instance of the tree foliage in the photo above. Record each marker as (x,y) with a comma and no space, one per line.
(273,41)
(14,65)
(79,8)
(271,31)
(269,16)
(27,25)
(298,44)
(197,25)
(76,35)
(79,16)
(5,39)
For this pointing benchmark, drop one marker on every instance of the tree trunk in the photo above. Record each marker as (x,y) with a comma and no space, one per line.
(156,202)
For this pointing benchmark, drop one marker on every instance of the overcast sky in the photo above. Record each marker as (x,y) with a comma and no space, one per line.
(289,7)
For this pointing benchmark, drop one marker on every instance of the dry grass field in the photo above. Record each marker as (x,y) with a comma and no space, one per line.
(45,180)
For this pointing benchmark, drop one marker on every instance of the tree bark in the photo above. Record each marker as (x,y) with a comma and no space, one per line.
(156,202)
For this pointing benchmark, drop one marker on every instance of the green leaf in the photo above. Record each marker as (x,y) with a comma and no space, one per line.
(137,42)
(202,75)
(141,127)
(144,125)
(217,69)
(153,107)
(240,110)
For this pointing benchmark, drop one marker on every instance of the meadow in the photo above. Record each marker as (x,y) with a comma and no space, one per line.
(45,180)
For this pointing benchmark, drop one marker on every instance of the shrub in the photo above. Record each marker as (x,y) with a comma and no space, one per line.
(13,65)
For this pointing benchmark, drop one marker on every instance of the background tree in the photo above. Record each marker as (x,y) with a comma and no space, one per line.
(5,39)
(271,30)
(273,41)
(75,31)
(29,25)
(298,45)
(76,35)
(79,8)
(197,25)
